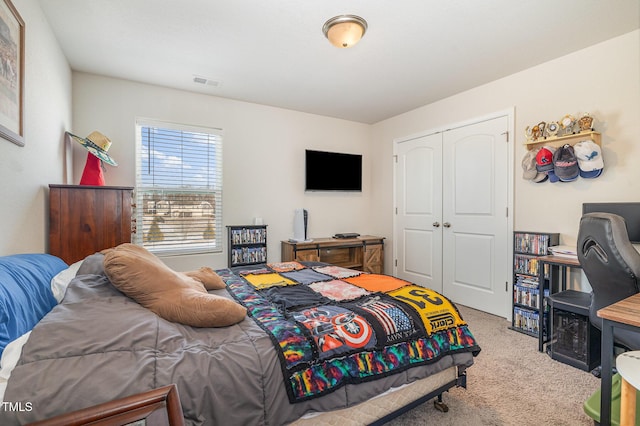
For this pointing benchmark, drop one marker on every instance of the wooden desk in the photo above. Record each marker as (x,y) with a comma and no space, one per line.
(557,265)
(623,314)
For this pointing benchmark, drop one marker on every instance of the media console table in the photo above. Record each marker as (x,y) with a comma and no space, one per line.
(364,253)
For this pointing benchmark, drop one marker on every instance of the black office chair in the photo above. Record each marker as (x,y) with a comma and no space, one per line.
(612,266)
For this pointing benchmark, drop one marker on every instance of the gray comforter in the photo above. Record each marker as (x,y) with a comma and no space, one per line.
(99,345)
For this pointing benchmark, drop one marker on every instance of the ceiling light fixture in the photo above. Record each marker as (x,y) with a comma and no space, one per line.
(344,30)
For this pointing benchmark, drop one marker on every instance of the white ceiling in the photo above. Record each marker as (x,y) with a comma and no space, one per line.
(273,52)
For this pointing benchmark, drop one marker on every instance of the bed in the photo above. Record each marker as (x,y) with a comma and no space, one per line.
(281,364)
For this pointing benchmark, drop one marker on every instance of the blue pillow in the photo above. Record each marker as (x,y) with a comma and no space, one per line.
(25,292)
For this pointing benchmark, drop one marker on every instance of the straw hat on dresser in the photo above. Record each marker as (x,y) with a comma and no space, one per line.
(97,146)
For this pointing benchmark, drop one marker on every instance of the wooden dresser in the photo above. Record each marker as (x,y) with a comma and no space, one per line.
(365,253)
(87,219)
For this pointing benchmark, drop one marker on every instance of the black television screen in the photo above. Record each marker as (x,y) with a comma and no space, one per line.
(332,171)
(629,211)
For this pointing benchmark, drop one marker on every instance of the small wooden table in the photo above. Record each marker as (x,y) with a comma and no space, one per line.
(623,314)
(628,365)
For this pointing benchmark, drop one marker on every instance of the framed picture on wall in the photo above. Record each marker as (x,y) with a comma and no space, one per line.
(11,73)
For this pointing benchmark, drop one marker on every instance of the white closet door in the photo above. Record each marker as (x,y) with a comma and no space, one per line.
(418,219)
(475,222)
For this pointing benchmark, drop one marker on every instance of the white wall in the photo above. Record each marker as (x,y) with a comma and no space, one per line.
(602,80)
(263,152)
(264,145)
(26,171)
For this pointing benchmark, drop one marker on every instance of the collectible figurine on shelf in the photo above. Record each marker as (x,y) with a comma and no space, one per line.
(552,129)
(541,127)
(585,123)
(536,132)
(567,123)
(529,134)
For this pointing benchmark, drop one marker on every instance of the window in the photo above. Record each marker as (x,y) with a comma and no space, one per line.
(178,188)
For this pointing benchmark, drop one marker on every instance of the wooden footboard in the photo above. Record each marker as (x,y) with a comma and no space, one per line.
(158,406)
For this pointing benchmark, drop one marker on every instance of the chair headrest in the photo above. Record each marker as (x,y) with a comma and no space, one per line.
(603,238)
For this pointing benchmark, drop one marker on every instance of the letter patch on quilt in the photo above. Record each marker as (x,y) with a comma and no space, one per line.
(436,311)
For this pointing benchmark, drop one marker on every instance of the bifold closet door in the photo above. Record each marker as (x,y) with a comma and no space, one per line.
(475,229)
(451,220)
(418,231)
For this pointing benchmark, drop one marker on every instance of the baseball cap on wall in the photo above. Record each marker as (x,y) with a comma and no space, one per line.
(590,161)
(529,170)
(565,164)
(544,159)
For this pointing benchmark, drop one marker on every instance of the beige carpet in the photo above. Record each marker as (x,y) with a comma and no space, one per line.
(511,383)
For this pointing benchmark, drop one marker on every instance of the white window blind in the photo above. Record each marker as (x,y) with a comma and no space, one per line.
(178,188)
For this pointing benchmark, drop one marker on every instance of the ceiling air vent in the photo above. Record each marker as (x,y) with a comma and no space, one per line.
(206,81)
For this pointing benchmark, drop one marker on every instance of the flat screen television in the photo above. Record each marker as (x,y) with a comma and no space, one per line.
(629,211)
(332,171)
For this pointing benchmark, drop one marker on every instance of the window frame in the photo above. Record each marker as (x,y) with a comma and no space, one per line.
(216,189)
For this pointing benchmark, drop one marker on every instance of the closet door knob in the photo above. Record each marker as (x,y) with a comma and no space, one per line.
(436,224)
(446,225)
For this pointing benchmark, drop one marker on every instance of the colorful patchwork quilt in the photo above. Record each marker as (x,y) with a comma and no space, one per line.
(332,326)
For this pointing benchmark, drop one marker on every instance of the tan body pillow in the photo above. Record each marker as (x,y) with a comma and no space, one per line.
(175,296)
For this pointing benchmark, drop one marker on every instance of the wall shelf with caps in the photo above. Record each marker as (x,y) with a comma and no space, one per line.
(559,141)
